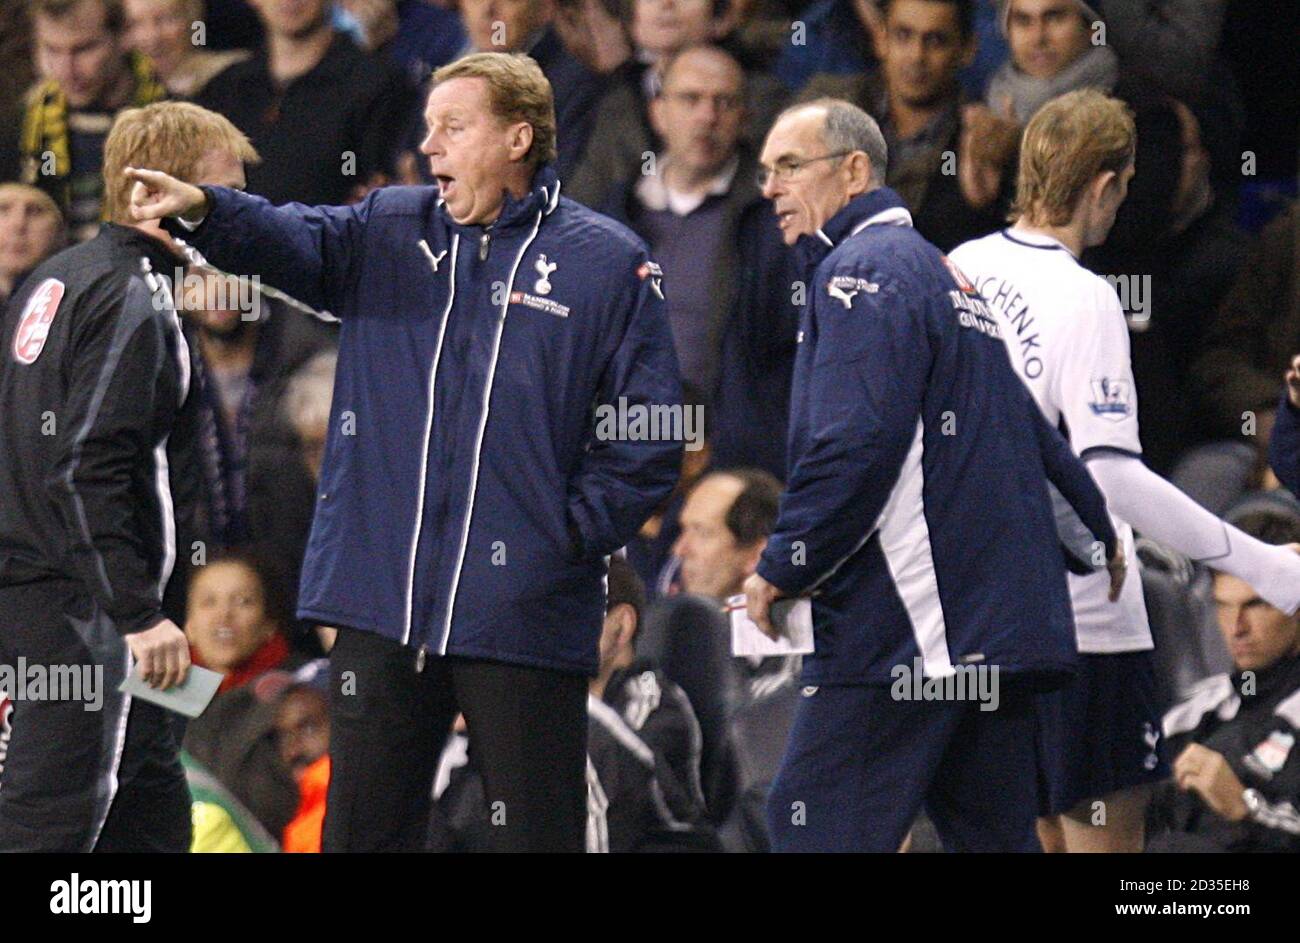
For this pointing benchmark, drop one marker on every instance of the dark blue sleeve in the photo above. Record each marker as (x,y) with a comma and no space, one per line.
(1284,446)
(866,385)
(621,481)
(307,252)
(1070,476)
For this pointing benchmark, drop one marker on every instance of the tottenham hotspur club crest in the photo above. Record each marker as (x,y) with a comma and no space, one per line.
(543,285)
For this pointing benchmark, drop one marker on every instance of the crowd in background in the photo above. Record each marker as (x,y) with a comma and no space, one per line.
(661,108)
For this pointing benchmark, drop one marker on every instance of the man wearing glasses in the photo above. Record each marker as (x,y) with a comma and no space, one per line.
(917,517)
(733,316)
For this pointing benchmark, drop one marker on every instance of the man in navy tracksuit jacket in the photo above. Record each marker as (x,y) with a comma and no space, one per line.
(468,499)
(916,515)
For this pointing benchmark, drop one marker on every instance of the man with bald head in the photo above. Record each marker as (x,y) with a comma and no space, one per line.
(703,216)
(916,516)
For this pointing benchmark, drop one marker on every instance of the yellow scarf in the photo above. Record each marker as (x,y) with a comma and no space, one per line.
(45,126)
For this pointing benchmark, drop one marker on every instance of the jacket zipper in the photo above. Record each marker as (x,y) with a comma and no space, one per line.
(484,242)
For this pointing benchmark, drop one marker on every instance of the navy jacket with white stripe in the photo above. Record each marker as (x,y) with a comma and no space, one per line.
(466,504)
(917,512)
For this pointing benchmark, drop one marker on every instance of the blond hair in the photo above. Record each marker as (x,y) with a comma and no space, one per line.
(173,137)
(1067,144)
(517,91)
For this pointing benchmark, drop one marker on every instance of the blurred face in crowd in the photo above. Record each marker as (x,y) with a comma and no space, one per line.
(293,19)
(921,49)
(661,27)
(805,184)
(1257,634)
(302,728)
(713,562)
(701,112)
(1045,36)
(160,30)
(504,25)
(29,230)
(473,153)
(79,52)
(226,617)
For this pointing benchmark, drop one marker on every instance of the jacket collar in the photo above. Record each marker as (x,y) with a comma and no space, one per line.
(881,206)
(543,196)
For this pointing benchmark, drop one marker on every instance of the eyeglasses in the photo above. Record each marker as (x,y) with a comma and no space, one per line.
(786,170)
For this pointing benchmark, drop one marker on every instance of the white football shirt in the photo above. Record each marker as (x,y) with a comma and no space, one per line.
(1067,338)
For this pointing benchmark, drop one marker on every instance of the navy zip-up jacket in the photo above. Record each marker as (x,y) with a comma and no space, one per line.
(1284,446)
(467,499)
(917,512)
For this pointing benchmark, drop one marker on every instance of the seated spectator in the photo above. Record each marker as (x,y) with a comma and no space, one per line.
(731,277)
(527,26)
(724,527)
(643,753)
(259,493)
(623,136)
(1236,783)
(31,230)
(1284,449)
(643,742)
(916,98)
(15,79)
(302,727)
(325,117)
(1173,254)
(88,76)
(221,823)
(234,621)
(1251,336)
(163,31)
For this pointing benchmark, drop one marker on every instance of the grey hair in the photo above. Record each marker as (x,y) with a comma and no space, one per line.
(849,128)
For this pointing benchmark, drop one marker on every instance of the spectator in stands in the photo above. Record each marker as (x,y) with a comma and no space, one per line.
(527,26)
(326,117)
(1051,53)
(259,494)
(302,727)
(643,738)
(15,80)
(1236,784)
(87,76)
(724,528)
(1253,333)
(429,35)
(829,37)
(733,310)
(234,622)
(31,230)
(164,30)
(650,552)
(915,96)
(1173,255)
(1284,451)
(623,136)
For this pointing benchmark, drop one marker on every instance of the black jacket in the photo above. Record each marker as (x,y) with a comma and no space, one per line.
(98,473)
(1252,719)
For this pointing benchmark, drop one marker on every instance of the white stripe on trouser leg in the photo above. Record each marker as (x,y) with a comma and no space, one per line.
(905,545)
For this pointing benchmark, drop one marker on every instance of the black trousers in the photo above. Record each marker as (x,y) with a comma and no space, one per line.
(390,721)
(90,768)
